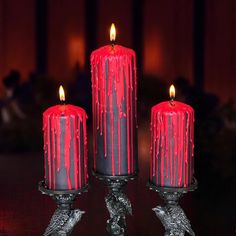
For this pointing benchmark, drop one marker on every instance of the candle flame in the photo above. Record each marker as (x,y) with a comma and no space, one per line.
(61,94)
(113,32)
(172,91)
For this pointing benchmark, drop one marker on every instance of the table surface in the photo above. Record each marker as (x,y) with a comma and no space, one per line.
(25,211)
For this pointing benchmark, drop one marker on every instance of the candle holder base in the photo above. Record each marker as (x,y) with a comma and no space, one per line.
(171,214)
(65,217)
(117,203)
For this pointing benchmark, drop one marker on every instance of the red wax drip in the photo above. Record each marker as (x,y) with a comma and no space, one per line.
(74,118)
(172,144)
(85,157)
(53,153)
(76,154)
(114,89)
(49,153)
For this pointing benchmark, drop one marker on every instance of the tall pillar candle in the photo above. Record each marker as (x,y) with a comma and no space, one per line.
(114,93)
(65,147)
(172,143)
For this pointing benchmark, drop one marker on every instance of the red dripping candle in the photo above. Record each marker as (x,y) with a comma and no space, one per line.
(172,143)
(114,90)
(65,146)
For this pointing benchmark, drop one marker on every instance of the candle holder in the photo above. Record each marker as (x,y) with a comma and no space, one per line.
(171,214)
(117,203)
(65,217)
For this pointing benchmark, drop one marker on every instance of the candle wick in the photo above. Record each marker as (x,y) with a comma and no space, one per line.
(113,43)
(63,103)
(172,103)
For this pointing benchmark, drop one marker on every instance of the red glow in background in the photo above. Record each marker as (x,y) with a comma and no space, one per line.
(167,38)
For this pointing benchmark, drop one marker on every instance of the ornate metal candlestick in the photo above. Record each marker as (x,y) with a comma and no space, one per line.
(172,215)
(117,203)
(65,217)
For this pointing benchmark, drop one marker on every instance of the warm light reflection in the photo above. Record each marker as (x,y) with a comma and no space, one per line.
(61,94)
(113,32)
(172,91)
(76,53)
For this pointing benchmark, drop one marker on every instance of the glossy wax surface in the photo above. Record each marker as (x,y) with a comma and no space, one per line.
(114,89)
(172,144)
(65,147)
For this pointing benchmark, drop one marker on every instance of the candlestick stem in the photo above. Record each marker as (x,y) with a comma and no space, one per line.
(65,216)
(117,203)
(171,214)
(118,206)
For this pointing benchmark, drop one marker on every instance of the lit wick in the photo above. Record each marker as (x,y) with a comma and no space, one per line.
(172,94)
(113,34)
(62,95)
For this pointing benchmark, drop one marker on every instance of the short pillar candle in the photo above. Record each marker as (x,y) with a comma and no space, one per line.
(172,143)
(65,146)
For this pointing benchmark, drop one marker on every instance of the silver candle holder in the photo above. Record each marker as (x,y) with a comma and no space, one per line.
(171,214)
(65,216)
(117,203)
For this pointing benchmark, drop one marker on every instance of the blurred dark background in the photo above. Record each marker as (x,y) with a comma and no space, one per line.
(45,43)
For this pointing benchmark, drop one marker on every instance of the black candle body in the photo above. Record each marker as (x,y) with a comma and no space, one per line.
(114,110)
(65,147)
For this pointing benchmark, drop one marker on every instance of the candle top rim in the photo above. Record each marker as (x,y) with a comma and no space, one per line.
(113,51)
(177,107)
(63,109)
